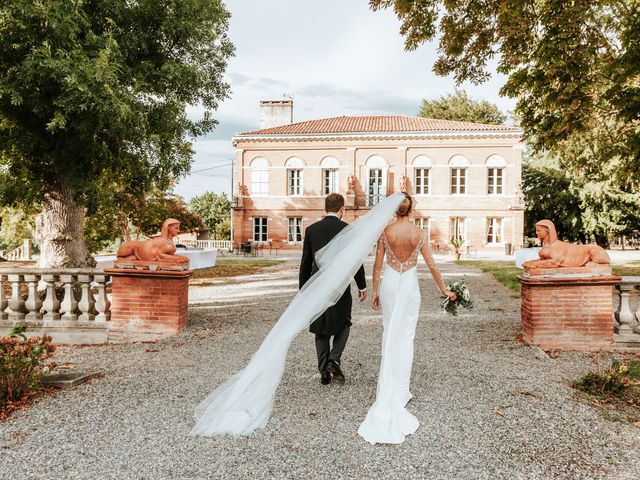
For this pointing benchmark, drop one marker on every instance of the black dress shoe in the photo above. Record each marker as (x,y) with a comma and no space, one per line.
(334,369)
(325,378)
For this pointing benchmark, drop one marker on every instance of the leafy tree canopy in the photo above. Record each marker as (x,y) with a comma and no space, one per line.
(583,208)
(109,225)
(16,225)
(94,91)
(573,66)
(458,106)
(215,211)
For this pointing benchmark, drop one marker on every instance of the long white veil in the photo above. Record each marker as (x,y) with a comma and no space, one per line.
(243,403)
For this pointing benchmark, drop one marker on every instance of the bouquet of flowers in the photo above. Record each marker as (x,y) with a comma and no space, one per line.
(463,298)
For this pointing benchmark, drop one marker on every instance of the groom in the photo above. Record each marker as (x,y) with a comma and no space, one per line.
(336,320)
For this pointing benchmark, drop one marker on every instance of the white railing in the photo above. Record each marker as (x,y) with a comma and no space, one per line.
(627,315)
(218,244)
(23,252)
(78,305)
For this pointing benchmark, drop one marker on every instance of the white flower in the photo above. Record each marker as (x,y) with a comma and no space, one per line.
(465,294)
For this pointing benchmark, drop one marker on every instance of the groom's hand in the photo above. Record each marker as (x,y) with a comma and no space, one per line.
(362,295)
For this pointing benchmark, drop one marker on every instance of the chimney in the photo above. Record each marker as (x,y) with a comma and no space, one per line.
(274,113)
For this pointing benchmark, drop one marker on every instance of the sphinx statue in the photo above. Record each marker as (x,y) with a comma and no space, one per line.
(556,253)
(160,249)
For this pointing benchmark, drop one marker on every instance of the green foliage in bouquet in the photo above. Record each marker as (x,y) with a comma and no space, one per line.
(463,298)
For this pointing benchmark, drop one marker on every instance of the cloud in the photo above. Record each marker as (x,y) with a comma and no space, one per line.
(368,102)
(239,79)
(229,126)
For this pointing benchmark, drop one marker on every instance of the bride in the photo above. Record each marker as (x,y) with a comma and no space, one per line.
(388,421)
(243,403)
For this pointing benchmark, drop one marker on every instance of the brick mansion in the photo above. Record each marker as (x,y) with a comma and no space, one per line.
(465,177)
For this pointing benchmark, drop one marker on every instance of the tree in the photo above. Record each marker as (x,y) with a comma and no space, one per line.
(93,97)
(110,224)
(16,224)
(458,106)
(550,194)
(215,211)
(584,208)
(573,66)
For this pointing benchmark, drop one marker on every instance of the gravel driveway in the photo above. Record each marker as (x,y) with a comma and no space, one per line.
(489,407)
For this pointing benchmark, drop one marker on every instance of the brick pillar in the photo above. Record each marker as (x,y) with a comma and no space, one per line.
(568,308)
(148,305)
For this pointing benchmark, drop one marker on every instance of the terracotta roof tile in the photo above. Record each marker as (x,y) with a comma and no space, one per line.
(377,124)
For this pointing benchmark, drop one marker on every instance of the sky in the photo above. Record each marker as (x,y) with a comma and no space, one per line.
(335,57)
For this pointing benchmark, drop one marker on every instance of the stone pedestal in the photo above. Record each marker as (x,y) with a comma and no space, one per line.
(147,305)
(568,308)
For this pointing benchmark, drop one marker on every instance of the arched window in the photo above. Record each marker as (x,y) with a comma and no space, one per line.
(495,174)
(330,169)
(459,166)
(422,174)
(376,168)
(259,177)
(294,176)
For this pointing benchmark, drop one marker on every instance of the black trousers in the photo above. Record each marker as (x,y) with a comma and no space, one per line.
(328,352)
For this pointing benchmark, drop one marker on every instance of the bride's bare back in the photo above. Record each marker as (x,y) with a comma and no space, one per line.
(402,241)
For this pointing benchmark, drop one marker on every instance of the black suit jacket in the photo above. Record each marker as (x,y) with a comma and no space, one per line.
(316,236)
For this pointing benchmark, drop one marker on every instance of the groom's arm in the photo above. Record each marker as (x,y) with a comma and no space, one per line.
(360,279)
(306,263)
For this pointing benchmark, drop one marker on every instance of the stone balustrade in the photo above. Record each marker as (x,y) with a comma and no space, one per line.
(80,315)
(627,315)
(219,244)
(23,252)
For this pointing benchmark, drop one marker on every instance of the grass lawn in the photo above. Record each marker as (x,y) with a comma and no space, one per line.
(230,268)
(629,269)
(505,271)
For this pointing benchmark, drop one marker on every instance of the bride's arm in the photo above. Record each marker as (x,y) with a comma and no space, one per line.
(377,268)
(435,272)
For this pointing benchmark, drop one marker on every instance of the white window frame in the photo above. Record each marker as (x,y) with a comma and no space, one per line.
(425,180)
(330,180)
(293,235)
(424,164)
(259,177)
(294,182)
(260,229)
(495,231)
(458,171)
(295,186)
(495,174)
(495,180)
(376,162)
(425,224)
(458,228)
(330,175)
(458,181)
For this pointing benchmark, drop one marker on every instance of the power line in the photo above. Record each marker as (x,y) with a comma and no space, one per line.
(211,168)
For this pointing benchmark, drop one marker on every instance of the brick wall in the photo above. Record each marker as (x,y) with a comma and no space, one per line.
(148,305)
(568,313)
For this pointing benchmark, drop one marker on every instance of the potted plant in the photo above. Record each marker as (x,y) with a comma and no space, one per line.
(456,243)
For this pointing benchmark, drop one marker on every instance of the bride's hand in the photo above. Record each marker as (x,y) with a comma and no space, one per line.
(452,296)
(375,301)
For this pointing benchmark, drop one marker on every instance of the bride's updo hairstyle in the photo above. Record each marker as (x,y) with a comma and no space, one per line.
(405,206)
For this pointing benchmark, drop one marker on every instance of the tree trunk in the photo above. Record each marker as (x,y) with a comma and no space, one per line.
(60,233)
(123,225)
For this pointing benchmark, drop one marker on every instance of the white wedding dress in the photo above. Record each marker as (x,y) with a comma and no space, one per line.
(243,403)
(388,421)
